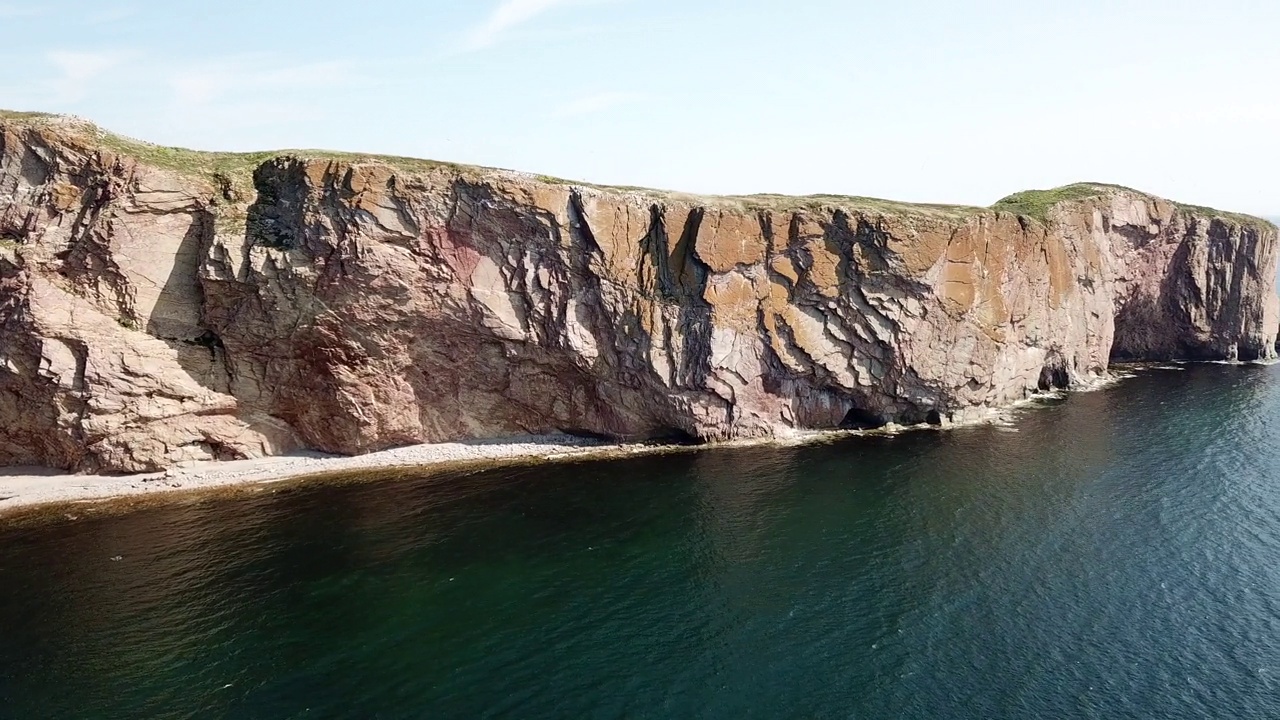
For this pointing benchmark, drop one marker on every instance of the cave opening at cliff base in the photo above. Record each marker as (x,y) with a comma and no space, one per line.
(860,419)
(1054,375)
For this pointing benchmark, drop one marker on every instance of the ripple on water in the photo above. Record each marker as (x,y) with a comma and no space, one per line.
(1106,554)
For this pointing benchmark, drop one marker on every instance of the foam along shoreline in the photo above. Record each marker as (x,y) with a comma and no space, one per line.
(32,488)
(23,489)
(29,488)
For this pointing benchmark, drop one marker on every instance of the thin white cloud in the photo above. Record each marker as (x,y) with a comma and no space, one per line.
(593,104)
(218,101)
(85,81)
(508,15)
(78,70)
(209,81)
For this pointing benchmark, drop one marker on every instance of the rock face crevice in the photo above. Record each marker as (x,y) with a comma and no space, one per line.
(158,308)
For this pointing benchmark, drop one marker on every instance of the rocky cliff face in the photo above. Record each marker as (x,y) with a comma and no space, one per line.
(159,306)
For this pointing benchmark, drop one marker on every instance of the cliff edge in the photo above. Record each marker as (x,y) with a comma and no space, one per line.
(159,305)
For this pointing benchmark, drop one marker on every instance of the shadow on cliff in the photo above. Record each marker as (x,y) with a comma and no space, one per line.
(177,317)
(1160,327)
(1150,327)
(681,281)
(180,319)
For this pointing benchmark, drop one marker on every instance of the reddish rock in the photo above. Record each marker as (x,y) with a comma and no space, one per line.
(160,306)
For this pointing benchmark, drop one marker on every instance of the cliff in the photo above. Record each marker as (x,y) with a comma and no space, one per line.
(160,305)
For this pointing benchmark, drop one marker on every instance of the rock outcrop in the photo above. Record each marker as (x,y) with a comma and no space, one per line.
(160,305)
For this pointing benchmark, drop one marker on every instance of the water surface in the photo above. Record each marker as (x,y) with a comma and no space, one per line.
(1113,555)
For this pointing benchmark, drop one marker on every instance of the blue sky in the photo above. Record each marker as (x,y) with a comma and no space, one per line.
(914,100)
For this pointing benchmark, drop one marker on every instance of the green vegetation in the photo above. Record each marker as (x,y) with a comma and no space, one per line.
(1036,204)
(234,171)
(865,204)
(1246,220)
(770,201)
(19,115)
(553,180)
(231,172)
(232,175)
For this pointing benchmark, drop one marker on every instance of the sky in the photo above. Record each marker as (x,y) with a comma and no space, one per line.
(930,101)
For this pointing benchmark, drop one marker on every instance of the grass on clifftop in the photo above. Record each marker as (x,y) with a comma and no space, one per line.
(1036,204)
(774,201)
(234,172)
(236,167)
(20,115)
(770,201)
(1248,220)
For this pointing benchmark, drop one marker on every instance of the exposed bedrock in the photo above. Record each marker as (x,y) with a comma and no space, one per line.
(160,306)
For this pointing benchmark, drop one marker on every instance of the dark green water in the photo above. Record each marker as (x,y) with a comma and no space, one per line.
(1117,556)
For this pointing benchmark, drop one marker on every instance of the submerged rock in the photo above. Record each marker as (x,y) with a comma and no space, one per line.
(161,305)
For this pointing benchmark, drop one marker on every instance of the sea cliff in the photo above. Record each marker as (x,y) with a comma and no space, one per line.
(160,305)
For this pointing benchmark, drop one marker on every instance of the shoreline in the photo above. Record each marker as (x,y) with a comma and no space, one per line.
(28,492)
(44,493)
(35,490)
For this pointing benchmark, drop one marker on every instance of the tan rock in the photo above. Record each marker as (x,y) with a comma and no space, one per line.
(150,315)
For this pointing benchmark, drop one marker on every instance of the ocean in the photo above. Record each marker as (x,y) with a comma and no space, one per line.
(1112,554)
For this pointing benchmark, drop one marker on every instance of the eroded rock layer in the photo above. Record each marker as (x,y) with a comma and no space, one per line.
(160,306)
